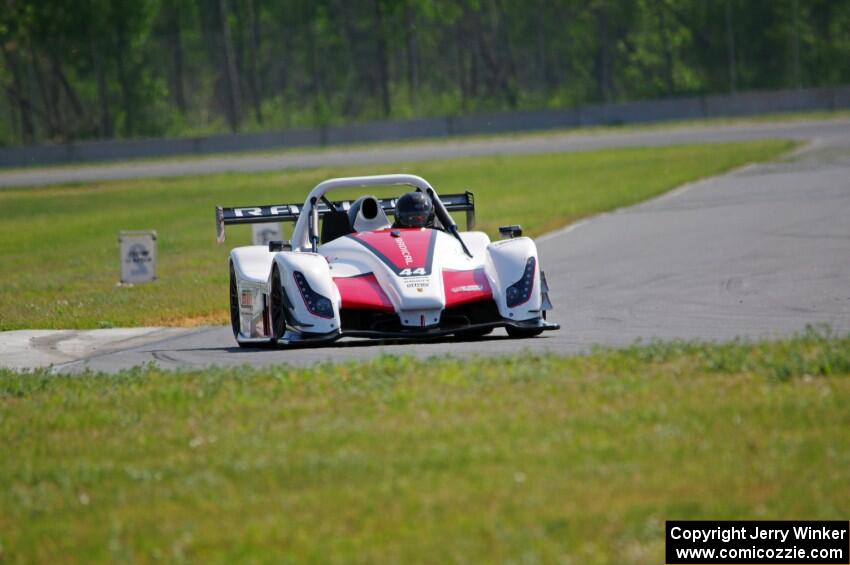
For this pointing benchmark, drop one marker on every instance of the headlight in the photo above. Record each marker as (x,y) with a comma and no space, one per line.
(316,303)
(520,291)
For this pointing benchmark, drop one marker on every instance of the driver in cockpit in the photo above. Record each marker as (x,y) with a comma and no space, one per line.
(414,210)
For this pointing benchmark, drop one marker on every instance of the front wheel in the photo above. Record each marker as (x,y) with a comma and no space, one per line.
(234,307)
(277,306)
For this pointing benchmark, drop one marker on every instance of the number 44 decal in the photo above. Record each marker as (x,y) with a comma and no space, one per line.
(412,272)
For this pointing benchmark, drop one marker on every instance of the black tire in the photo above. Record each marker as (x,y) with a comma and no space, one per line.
(234,307)
(277,306)
(523,332)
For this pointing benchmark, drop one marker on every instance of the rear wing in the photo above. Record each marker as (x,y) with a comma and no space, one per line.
(289,212)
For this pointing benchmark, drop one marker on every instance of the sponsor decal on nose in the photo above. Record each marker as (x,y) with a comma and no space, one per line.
(402,246)
(468,288)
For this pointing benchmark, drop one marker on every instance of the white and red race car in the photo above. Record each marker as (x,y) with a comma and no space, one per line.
(347,272)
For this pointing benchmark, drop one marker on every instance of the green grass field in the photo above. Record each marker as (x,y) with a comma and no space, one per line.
(521,460)
(58,245)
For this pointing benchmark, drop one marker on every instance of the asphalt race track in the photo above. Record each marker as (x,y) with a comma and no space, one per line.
(760,252)
(405,152)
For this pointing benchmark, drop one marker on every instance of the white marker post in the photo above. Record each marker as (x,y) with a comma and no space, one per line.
(262,234)
(138,256)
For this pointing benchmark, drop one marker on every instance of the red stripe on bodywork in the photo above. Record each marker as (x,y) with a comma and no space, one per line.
(462,287)
(415,241)
(363,293)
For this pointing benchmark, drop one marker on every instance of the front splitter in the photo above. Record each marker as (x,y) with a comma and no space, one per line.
(293,339)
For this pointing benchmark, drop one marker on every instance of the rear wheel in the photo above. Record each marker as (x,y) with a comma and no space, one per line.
(277,306)
(234,307)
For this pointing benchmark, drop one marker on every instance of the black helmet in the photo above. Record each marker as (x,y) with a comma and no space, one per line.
(414,210)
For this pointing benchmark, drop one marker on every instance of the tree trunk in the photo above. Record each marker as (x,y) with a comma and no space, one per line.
(56,101)
(357,80)
(603,53)
(730,49)
(253,63)
(283,57)
(62,80)
(412,54)
(460,63)
(316,82)
(381,57)
(16,93)
(507,67)
(13,114)
(127,98)
(798,77)
(175,45)
(472,32)
(238,34)
(47,103)
(665,48)
(105,118)
(494,47)
(231,77)
(542,55)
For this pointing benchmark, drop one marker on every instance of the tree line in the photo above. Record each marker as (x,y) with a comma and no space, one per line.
(76,69)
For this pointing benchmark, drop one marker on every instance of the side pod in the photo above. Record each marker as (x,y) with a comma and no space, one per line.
(250,266)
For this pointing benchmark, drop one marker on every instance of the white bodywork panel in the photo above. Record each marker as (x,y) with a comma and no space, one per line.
(505,262)
(252,265)
(315,269)
(378,221)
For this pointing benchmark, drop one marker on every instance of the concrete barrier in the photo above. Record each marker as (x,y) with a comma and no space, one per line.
(668,109)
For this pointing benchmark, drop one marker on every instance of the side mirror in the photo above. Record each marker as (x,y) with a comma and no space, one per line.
(510,232)
(280,245)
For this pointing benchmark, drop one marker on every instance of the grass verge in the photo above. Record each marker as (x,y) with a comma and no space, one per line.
(59,251)
(526,458)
